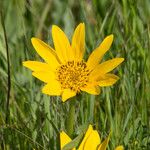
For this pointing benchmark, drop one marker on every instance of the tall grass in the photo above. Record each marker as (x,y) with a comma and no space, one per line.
(36,119)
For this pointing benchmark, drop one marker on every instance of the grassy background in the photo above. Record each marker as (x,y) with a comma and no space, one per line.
(36,119)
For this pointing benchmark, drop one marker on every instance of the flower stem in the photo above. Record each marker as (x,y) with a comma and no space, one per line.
(71,117)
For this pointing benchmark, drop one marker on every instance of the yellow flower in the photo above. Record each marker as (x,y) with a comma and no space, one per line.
(65,72)
(119,147)
(91,140)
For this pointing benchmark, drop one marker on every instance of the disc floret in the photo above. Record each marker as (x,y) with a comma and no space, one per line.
(73,75)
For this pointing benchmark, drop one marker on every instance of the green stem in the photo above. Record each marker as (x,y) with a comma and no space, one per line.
(71,117)
(43,17)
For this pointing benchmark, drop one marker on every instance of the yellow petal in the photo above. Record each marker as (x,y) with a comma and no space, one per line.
(44,76)
(52,88)
(104,144)
(95,90)
(119,147)
(92,141)
(67,93)
(99,52)
(87,134)
(46,52)
(106,67)
(36,66)
(64,139)
(78,42)
(62,45)
(107,80)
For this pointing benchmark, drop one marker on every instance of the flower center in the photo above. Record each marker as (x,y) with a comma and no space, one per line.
(73,75)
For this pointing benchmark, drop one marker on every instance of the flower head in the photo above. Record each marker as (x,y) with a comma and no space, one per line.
(120,147)
(91,140)
(65,72)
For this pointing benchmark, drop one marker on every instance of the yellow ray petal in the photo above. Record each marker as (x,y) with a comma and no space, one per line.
(106,67)
(95,90)
(67,93)
(46,52)
(36,66)
(87,134)
(119,147)
(92,141)
(107,80)
(52,88)
(44,76)
(78,41)
(104,144)
(99,52)
(64,139)
(62,45)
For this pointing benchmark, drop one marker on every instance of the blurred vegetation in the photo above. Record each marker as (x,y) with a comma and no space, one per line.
(36,119)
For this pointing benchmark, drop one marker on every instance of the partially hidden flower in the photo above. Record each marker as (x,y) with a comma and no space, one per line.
(65,72)
(91,141)
(120,147)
